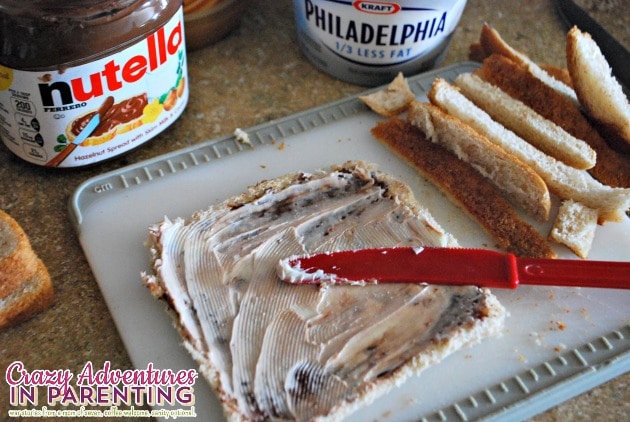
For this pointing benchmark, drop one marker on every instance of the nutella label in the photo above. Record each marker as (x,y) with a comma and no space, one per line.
(359,40)
(85,114)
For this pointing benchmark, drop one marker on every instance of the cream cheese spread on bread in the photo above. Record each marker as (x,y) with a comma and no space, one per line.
(277,351)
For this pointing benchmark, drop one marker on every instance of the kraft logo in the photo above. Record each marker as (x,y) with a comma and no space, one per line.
(376,7)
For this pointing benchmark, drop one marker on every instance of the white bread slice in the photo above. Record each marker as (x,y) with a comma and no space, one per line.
(517,180)
(575,227)
(392,100)
(597,89)
(531,126)
(565,181)
(492,43)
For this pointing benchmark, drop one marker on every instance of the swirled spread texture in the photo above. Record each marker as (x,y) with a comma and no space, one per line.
(277,351)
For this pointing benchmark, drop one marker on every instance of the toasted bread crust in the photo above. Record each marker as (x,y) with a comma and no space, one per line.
(492,43)
(558,73)
(612,168)
(465,186)
(565,181)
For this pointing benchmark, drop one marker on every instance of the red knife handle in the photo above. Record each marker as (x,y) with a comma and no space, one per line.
(576,273)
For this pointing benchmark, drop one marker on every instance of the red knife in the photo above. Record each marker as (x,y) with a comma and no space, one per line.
(450,266)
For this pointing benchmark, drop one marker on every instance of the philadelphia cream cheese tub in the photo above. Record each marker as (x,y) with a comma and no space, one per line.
(369,42)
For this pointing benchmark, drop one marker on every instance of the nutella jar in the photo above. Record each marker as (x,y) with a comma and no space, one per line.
(82,81)
(369,42)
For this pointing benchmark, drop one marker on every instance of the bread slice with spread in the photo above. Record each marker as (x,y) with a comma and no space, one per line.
(274,351)
(119,118)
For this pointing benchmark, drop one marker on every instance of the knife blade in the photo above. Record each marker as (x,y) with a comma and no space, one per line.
(450,266)
(616,54)
(85,132)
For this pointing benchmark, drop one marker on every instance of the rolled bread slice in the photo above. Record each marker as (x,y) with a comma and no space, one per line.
(492,43)
(575,227)
(565,181)
(517,180)
(599,92)
(612,167)
(532,127)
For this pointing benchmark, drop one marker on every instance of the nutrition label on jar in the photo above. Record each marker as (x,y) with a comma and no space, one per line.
(18,121)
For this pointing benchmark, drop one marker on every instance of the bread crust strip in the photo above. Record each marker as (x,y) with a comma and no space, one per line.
(465,186)
(612,167)
(565,181)
(517,180)
(597,89)
(534,128)
(491,42)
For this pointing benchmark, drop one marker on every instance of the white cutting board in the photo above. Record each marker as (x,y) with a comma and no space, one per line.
(557,343)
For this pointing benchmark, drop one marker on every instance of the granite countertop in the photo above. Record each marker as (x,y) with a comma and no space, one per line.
(254,75)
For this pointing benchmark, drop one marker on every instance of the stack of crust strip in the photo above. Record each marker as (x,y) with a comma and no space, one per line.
(534,117)
(475,174)
(573,100)
(477,196)
(25,285)
(612,167)
(565,181)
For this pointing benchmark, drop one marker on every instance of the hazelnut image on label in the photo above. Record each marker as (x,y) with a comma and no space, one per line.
(170,100)
(180,87)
